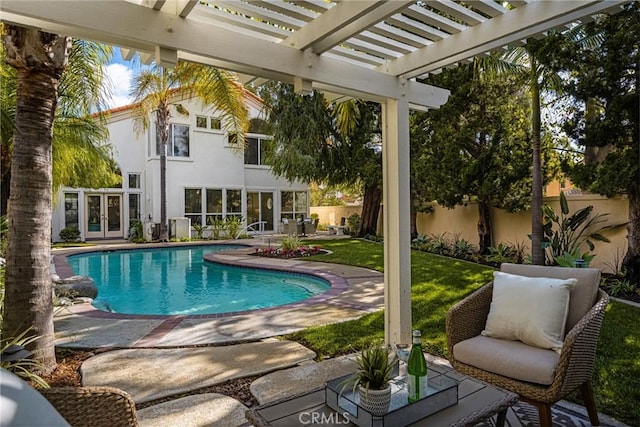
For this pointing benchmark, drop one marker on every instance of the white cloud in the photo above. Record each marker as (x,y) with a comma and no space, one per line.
(120,76)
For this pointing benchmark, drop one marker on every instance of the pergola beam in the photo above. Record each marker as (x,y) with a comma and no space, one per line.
(520,24)
(129,25)
(341,22)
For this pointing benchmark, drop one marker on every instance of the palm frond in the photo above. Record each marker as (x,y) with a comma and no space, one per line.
(81,158)
(84,86)
(221,89)
(347,116)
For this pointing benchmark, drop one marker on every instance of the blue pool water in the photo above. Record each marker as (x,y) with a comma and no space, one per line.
(177,281)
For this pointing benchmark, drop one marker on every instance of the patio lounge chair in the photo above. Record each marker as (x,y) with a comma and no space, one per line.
(540,376)
(21,404)
(93,406)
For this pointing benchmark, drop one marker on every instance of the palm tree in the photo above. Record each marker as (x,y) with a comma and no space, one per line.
(522,61)
(152,91)
(45,119)
(39,59)
(81,158)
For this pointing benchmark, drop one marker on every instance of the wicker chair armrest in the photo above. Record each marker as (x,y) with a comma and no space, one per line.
(93,406)
(578,354)
(467,318)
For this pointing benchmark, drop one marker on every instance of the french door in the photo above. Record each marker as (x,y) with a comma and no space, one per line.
(103,217)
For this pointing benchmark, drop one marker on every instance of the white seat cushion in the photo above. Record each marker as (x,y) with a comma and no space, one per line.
(511,359)
(529,309)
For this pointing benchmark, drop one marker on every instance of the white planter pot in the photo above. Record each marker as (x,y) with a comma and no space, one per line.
(375,401)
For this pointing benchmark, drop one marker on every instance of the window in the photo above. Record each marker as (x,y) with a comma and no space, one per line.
(134,208)
(219,204)
(134,180)
(193,205)
(234,202)
(255,151)
(214,205)
(293,204)
(71,210)
(212,123)
(178,142)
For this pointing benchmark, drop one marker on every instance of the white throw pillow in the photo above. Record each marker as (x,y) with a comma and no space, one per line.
(529,309)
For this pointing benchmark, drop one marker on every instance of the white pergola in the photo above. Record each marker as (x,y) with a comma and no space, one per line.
(367,49)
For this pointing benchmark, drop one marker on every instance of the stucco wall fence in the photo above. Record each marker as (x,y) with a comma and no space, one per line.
(510,228)
(514,228)
(331,215)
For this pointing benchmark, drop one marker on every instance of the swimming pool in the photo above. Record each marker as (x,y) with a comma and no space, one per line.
(177,281)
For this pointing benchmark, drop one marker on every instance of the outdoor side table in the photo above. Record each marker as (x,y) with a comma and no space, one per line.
(476,401)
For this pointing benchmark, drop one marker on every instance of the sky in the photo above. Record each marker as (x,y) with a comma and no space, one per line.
(120,72)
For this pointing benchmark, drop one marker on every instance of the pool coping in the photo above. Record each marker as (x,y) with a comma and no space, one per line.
(337,284)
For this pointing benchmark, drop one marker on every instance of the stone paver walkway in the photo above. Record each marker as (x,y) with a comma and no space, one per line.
(149,374)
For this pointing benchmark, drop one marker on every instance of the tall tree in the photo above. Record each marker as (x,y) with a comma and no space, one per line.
(523,63)
(605,79)
(152,90)
(39,59)
(81,154)
(314,140)
(476,146)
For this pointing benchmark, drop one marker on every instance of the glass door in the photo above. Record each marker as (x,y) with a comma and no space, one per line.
(260,208)
(266,210)
(114,215)
(103,216)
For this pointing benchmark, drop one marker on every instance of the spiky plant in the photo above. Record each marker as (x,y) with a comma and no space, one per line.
(375,369)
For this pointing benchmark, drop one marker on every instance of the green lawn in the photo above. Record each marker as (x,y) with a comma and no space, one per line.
(438,283)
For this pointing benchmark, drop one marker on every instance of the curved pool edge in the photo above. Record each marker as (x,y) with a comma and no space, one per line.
(232,257)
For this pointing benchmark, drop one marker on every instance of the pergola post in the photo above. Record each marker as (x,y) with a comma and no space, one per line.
(396,212)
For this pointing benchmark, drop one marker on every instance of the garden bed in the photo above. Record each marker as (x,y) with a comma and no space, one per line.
(302,251)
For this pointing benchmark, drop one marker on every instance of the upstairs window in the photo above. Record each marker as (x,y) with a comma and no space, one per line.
(134,180)
(178,142)
(210,123)
(256,148)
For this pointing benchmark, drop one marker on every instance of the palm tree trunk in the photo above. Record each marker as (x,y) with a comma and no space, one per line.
(537,232)
(39,59)
(163,132)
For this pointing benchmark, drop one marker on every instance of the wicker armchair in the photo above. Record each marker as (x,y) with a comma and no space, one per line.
(93,406)
(574,368)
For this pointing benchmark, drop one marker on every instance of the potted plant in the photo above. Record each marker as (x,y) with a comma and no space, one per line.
(372,378)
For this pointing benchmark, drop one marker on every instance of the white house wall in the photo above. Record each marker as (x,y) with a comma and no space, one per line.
(212,163)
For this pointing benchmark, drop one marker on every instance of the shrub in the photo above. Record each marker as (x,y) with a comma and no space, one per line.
(354,221)
(233,225)
(217,225)
(619,287)
(199,229)
(290,243)
(135,231)
(70,234)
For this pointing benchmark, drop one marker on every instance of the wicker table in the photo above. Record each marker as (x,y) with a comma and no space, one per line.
(477,401)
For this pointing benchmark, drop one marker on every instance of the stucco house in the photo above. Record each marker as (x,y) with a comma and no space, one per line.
(208,177)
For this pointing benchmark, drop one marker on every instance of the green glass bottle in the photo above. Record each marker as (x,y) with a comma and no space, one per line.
(416,370)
